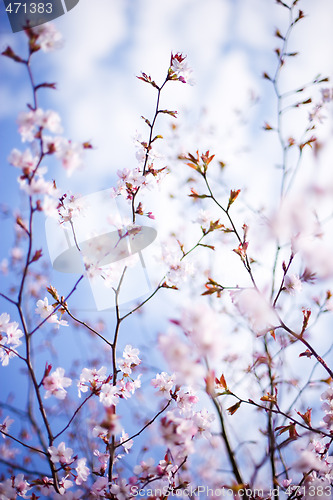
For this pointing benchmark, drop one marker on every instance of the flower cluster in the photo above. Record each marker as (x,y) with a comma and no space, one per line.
(10,335)
(179,70)
(45,37)
(55,383)
(46,312)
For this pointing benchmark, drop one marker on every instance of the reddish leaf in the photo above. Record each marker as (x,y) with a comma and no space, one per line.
(11,54)
(233,408)
(37,255)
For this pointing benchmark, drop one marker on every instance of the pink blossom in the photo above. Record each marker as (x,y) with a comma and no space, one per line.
(308,460)
(70,155)
(37,185)
(49,120)
(178,433)
(24,160)
(50,206)
(203,419)
(164,383)
(4,427)
(48,38)
(181,358)
(13,334)
(30,121)
(99,488)
(128,445)
(292,284)
(22,486)
(109,427)
(108,395)
(27,125)
(181,69)
(91,378)
(251,304)
(55,384)
(4,321)
(129,360)
(60,454)
(203,327)
(122,490)
(6,353)
(145,469)
(178,270)
(186,399)
(45,310)
(64,484)
(127,388)
(103,459)
(82,471)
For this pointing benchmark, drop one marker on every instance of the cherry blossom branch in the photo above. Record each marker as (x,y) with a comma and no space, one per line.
(150,140)
(21,468)
(308,345)
(28,261)
(61,303)
(83,323)
(111,446)
(285,271)
(22,443)
(270,424)
(73,416)
(278,411)
(146,425)
(231,455)
(145,301)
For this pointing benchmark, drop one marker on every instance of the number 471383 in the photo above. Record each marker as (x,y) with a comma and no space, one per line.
(40,8)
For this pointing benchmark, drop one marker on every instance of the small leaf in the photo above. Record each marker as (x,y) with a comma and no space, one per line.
(306,416)
(37,255)
(11,54)
(232,197)
(194,194)
(233,408)
(168,112)
(306,353)
(267,126)
(221,381)
(278,34)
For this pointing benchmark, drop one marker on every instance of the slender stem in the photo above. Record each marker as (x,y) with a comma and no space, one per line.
(270,425)
(111,445)
(83,323)
(278,411)
(226,212)
(231,455)
(309,346)
(61,304)
(22,443)
(146,425)
(150,141)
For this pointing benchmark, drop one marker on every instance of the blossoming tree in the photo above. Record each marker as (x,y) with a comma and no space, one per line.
(242,401)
